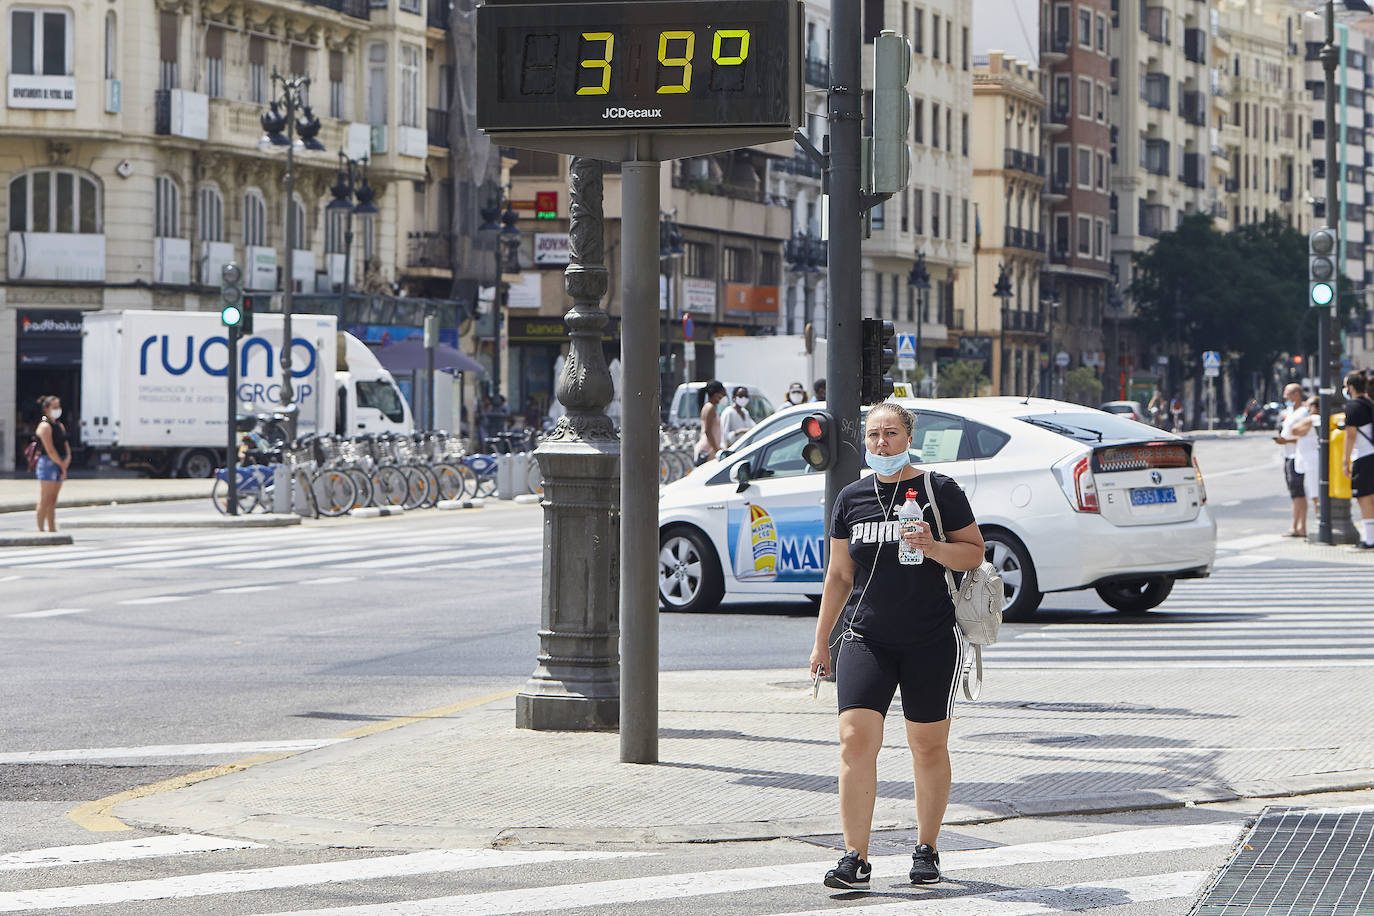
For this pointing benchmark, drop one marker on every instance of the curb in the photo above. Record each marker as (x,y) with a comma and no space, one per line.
(448,504)
(225,521)
(528,499)
(38,539)
(376,511)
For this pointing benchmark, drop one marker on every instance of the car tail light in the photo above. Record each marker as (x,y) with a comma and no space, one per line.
(1075,475)
(1201,487)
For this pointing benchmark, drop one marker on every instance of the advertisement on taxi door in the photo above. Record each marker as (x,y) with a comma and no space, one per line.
(777,544)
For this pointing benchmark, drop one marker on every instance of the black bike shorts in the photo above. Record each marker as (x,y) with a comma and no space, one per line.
(866,676)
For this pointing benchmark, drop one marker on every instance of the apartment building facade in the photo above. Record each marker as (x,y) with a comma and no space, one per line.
(131,166)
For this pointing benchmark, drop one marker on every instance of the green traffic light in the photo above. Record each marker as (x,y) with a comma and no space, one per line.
(1321,294)
(231,316)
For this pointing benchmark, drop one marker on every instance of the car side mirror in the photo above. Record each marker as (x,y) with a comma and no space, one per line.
(743,476)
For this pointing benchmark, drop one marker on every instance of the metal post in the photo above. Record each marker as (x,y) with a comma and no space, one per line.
(287,396)
(639,463)
(496,303)
(429,391)
(1330,55)
(231,456)
(920,320)
(576,685)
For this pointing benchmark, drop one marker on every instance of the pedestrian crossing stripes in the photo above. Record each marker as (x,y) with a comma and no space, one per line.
(607,895)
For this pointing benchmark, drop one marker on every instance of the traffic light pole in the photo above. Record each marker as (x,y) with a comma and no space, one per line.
(231,454)
(1330,55)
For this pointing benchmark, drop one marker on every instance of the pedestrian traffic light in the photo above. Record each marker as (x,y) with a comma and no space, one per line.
(231,295)
(1321,268)
(819,450)
(890,160)
(246,325)
(877,356)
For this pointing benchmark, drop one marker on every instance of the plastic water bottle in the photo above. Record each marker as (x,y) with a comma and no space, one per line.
(909,517)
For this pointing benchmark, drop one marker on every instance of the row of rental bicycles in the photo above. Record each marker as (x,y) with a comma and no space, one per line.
(336,474)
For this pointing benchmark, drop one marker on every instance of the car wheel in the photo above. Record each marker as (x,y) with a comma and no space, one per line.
(1136,596)
(689,576)
(1020,591)
(198,463)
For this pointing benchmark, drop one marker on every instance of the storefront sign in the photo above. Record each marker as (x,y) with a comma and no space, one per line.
(526,292)
(54,93)
(550,248)
(50,337)
(699,295)
(551,330)
(750,300)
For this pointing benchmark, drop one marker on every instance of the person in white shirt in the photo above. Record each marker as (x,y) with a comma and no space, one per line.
(1307,461)
(1297,487)
(735,420)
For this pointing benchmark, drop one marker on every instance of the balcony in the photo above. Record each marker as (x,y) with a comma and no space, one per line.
(1232,186)
(1025,239)
(61,256)
(1155,90)
(720,188)
(1191,174)
(1156,23)
(1152,220)
(1195,45)
(817,73)
(799,164)
(1055,189)
(806,253)
(1193,107)
(1020,161)
(1154,157)
(956,320)
(178,113)
(429,250)
(436,122)
(437,15)
(1286,195)
(1056,47)
(358,9)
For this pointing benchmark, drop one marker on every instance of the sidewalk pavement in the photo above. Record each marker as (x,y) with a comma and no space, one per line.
(749,754)
(21,494)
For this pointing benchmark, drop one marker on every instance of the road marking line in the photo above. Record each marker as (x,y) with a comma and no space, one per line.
(453,555)
(244,589)
(259,879)
(700,884)
(1050,662)
(167,750)
(147,847)
(1233,471)
(157,599)
(1182,652)
(53,612)
(1246,560)
(11,578)
(328,580)
(1064,898)
(1257,540)
(437,712)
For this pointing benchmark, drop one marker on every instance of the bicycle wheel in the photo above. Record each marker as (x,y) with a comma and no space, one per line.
(455,480)
(486,484)
(431,486)
(335,492)
(417,487)
(534,477)
(388,485)
(219,494)
(364,484)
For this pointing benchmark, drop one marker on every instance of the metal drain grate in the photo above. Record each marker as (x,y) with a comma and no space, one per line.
(1300,862)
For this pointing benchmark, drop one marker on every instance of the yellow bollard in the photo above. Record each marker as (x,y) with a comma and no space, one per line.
(1339,484)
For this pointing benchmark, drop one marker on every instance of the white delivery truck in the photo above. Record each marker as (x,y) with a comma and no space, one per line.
(153,385)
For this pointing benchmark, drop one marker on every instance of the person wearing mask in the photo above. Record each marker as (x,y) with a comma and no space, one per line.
(899,628)
(1359,451)
(735,420)
(818,386)
(1292,477)
(53,461)
(1157,408)
(796,393)
(708,443)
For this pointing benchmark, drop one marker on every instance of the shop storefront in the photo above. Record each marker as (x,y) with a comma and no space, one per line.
(48,361)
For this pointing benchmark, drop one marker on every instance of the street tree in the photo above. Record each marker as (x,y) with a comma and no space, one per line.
(961,379)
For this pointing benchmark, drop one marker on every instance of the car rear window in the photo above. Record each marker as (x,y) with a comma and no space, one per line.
(986,440)
(1097,426)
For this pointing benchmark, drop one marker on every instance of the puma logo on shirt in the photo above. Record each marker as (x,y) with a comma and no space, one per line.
(875,532)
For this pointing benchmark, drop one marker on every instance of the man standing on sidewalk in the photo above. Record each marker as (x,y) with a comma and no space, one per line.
(1288,439)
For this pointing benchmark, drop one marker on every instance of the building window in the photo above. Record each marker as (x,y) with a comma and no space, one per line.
(169,33)
(918,21)
(949,133)
(298,60)
(257,69)
(934,36)
(1100,171)
(410,85)
(40,42)
(1101,90)
(935,125)
(1085,29)
(770,269)
(739,265)
(700,261)
(1085,98)
(335,225)
(1102,34)
(111,47)
(54,200)
(166,208)
(211,215)
(935,214)
(963,134)
(376,83)
(336,84)
(412,6)
(214,62)
(254,218)
(1099,239)
(963,222)
(966,49)
(918,211)
(918,121)
(1062,242)
(949,220)
(1085,235)
(300,236)
(1085,165)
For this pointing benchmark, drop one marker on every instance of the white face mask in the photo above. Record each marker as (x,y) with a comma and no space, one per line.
(55,413)
(796,397)
(741,403)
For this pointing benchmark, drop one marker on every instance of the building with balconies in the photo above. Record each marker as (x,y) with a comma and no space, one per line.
(1008,177)
(131,169)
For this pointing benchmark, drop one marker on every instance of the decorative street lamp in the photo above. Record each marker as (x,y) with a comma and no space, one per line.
(351,185)
(1049,297)
(1002,290)
(919,280)
(289,122)
(670,250)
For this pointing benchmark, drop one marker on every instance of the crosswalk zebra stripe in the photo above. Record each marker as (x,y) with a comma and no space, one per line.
(736,880)
(148,847)
(450,554)
(1033,901)
(52,612)
(1059,663)
(261,879)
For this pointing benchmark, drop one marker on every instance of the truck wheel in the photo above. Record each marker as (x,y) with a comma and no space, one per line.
(1136,596)
(1020,591)
(197,463)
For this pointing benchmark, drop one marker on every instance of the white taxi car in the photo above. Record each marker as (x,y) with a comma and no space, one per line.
(1067,497)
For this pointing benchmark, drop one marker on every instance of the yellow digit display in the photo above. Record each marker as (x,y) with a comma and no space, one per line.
(721,35)
(685,61)
(604,63)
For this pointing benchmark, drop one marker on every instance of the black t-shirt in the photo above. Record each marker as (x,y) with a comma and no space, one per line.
(901,606)
(1359,413)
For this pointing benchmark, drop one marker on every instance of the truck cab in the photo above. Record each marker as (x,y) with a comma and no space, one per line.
(368,399)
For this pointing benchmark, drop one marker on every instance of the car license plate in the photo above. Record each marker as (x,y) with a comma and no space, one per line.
(1153,496)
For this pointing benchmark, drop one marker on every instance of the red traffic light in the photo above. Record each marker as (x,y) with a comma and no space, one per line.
(819,450)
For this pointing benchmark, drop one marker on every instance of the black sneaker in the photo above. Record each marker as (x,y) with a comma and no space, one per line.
(925,865)
(1361,545)
(852,873)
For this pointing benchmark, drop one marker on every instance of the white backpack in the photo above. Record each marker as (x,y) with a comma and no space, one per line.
(977,605)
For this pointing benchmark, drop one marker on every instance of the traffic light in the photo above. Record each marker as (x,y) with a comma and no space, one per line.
(246,326)
(878,355)
(231,296)
(1321,268)
(890,160)
(819,450)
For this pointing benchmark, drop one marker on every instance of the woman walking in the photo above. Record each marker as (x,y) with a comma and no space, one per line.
(899,628)
(735,420)
(1358,459)
(53,462)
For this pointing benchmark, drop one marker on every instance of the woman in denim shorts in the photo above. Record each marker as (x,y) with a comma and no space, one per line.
(52,464)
